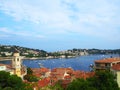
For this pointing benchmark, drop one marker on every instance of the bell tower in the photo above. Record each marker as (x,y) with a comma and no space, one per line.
(17,63)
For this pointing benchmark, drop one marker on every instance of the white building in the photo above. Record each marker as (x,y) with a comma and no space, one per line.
(2,67)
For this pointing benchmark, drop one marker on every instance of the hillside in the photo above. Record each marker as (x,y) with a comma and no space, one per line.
(7,50)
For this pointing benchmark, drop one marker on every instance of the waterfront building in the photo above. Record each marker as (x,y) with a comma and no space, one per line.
(106,63)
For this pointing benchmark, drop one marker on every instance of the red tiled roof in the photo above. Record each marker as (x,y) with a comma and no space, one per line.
(82,74)
(2,64)
(39,71)
(8,66)
(108,60)
(116,67)
(44,82)
(67,77)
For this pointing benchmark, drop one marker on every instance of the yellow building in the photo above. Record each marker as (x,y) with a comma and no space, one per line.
(16,67)
(17,64)
(116,70)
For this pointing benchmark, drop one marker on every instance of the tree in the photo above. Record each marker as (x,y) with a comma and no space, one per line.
(11,82)
(103,80)
(3,78)
(15,82)
(29,71)
(80,84)
(30,77)
(57,86)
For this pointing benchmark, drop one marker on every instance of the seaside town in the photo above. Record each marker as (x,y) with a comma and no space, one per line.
(44,78)
(59,44)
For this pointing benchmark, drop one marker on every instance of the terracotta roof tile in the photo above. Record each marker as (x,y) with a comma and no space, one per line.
(44,82)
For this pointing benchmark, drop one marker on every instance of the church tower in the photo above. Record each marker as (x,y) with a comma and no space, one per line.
(17,63)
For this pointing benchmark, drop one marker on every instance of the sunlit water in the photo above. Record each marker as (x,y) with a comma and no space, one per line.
(77,63)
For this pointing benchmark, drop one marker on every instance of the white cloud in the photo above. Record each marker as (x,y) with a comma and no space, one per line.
(5,32)
(95,17)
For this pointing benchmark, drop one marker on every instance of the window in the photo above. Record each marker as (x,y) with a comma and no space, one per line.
(17,59)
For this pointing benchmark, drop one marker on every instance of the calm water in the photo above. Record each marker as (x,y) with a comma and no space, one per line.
(78,63)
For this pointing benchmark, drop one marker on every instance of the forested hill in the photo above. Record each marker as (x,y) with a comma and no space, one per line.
(7,50)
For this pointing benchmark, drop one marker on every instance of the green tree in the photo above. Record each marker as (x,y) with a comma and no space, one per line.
(3,78)
(57,86)
(15,82)
(29,71)
(80,84)
(103,80)
(8,88)
(30,77)
(11,82)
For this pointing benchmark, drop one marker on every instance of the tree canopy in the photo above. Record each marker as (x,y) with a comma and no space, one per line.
(30,77)
(10,82)
(103,80)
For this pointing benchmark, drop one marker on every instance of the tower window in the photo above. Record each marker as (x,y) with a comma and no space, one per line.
(17,59)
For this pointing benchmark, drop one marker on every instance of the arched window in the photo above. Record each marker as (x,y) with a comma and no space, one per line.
(17,59)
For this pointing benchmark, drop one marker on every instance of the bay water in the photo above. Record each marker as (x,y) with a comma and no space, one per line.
(77,63)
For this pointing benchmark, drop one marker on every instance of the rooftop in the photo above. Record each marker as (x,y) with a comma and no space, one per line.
(108,60)
(2,64)
(8,66)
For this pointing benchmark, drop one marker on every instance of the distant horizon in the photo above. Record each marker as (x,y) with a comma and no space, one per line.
(55,25)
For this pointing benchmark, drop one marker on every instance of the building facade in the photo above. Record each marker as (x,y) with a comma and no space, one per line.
(17,64)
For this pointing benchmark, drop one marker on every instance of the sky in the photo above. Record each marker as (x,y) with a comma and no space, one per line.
(54,25)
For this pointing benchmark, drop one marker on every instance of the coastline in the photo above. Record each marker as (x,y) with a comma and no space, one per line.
(35,58)
(5,58)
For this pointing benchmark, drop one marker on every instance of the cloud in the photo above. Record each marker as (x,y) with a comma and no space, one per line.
(5,32)
(95,18)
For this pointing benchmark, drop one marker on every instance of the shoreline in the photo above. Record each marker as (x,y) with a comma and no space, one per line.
(34,58)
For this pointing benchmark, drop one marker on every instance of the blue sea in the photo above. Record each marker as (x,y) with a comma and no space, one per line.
(77,63)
